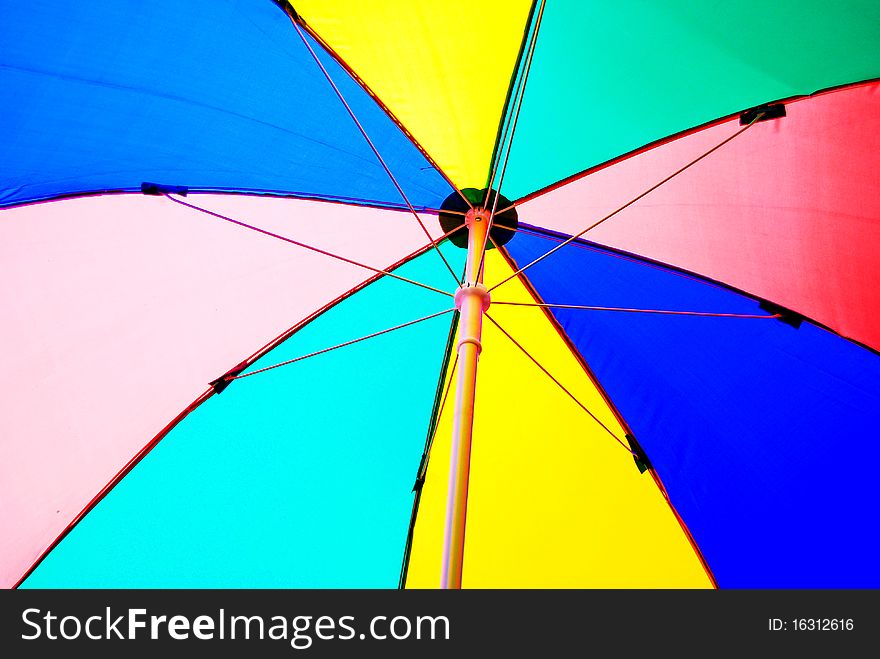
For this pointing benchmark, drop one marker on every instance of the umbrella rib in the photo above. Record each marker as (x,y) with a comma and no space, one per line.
(310,247)
(669,312)
(229,378)
(518,97)
(632,201)
(507,208)
(297,19)
(512,93)
(373,148)
(561,386)
(520,94)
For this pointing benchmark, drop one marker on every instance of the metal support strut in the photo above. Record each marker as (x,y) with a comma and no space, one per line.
(472,300)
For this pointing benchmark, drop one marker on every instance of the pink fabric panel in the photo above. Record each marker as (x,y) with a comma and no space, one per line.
(118,311)
(788,211)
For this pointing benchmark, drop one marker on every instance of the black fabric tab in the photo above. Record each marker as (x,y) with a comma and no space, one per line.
(786,316)
(222,382)
(640,457)
(158,189)
(767,112)
(287,8)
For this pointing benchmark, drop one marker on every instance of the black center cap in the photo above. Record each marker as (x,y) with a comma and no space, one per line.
(454,208)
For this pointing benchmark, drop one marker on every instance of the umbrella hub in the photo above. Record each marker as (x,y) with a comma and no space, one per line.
(454,212)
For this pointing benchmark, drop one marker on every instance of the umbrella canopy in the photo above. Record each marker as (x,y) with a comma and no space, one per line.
(232,231)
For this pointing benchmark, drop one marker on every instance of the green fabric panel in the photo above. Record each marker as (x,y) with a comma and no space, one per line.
(610,77)
(297,477)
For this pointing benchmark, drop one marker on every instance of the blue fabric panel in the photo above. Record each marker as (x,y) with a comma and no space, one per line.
(216,95)
(764,435)
(296,477)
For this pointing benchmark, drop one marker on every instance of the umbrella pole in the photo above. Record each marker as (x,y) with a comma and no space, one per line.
(472,300)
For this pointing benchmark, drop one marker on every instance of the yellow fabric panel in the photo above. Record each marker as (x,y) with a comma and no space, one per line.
(443,68)
(554,501)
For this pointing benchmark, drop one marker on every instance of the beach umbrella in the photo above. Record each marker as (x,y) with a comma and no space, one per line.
(340,294)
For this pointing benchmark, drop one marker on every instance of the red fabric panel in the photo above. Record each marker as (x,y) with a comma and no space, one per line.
(788,211)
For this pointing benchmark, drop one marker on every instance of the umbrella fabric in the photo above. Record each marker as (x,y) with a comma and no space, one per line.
(751,418)
(690,411)
(294,477)
(786,211)
(553,501)
(443,68)
(221,95)
(132,307)
(608,79)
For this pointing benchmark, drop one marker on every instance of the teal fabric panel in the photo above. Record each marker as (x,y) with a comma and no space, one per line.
(610,77)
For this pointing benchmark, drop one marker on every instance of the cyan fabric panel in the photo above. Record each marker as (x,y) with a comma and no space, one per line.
(762,433)
(210,94)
